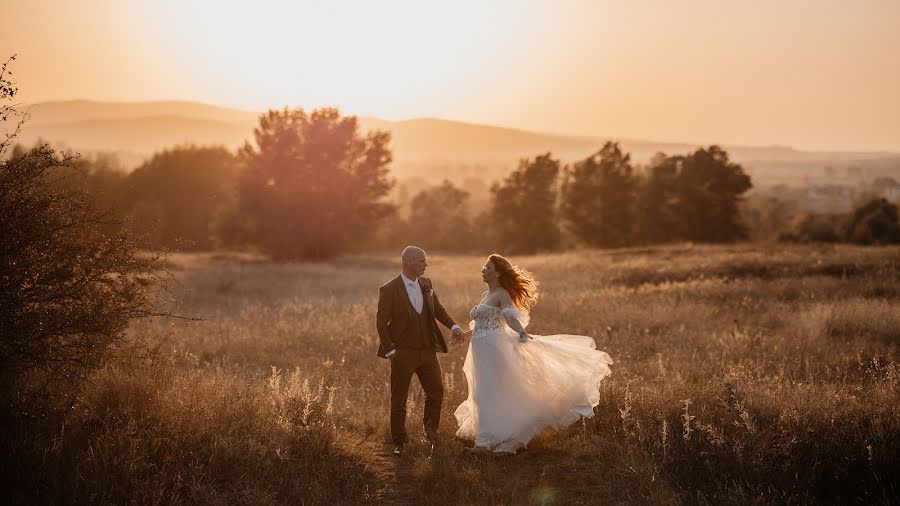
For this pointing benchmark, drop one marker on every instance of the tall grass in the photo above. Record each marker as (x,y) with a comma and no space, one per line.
(742,375)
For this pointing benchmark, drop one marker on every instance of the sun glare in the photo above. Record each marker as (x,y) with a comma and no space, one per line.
(379,58)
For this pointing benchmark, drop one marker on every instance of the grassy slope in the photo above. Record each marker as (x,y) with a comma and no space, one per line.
(742,374)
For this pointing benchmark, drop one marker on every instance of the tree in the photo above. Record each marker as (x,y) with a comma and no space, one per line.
(708,189)
(177,194)
(655,213)
(438,218)
(8,92)
(312,186)
(806,227)
(874,222)
(769,217)
(524,206)
(104,182)
(597,198)
(68,290)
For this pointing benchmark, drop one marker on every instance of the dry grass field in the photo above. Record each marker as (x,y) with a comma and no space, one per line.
(742,374)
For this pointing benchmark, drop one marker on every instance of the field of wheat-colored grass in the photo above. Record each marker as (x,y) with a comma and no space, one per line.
(742,374)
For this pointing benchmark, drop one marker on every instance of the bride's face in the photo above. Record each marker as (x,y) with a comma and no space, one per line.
(488,272)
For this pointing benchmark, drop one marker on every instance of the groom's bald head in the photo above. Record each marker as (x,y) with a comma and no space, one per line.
(411,253)
(414,261)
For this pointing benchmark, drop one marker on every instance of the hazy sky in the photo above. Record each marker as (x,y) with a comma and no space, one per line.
(821,74)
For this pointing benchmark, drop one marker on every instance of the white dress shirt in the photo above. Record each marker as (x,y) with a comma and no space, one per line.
(414,292)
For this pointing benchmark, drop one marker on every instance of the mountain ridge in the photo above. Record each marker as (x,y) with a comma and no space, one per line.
(426,147)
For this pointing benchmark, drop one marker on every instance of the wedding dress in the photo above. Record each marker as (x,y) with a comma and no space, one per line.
(516,389)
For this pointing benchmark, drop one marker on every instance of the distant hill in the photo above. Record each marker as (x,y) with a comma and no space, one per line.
(423,147)
(143,134)
(77,110)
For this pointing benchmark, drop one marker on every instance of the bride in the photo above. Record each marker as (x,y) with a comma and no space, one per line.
(518,384)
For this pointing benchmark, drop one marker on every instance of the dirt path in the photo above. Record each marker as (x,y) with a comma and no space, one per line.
(393,477)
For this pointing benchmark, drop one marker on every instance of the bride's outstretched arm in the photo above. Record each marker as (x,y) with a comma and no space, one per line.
(509,312)
(515,324)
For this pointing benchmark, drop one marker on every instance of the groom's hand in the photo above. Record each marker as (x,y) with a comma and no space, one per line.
(457,334)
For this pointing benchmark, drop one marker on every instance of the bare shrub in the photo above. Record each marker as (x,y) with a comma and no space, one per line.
(68,290)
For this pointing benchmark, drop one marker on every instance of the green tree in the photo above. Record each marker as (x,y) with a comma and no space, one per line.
(523,210)
(707,193)
(178,193)
(313,185)
(655,214)
(597,198)
(438,218)
(806,227)
(874,222)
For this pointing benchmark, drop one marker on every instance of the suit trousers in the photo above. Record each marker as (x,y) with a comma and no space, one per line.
(424,364)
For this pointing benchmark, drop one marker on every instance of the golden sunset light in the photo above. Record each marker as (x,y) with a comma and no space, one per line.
(476,252)
(816,75)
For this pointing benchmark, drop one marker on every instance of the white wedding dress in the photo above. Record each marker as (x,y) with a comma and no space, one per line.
(516,389)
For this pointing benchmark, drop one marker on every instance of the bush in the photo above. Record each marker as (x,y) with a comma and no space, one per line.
(874,222)
(812,228)
(68,290)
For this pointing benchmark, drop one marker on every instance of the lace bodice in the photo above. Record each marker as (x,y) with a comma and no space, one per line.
(486,317)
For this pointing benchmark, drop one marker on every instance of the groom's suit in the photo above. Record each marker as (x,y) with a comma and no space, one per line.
(411,337)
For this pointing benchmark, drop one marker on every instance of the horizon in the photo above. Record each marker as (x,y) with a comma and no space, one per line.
(25,108)
(810,77)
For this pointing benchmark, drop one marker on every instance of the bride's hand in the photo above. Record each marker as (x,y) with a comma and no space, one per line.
(461,338)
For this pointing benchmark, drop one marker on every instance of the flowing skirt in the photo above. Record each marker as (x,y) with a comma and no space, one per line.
(517,389)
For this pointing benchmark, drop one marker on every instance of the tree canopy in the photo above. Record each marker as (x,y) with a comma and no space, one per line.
(597,197)
(175,195)
(524,206)
(313,184)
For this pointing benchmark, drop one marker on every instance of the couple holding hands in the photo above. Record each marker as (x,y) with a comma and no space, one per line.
(518,383)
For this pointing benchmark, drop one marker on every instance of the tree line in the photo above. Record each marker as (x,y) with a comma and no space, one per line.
(313,185)
(607,201)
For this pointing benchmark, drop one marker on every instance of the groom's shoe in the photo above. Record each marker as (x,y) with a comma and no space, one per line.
(398,450)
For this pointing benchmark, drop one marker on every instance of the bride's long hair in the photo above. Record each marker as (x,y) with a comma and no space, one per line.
(521,285)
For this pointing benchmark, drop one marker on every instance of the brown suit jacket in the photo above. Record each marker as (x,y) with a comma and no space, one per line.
(396,313)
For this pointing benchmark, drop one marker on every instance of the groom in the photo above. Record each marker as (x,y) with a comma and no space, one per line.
(410,338)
